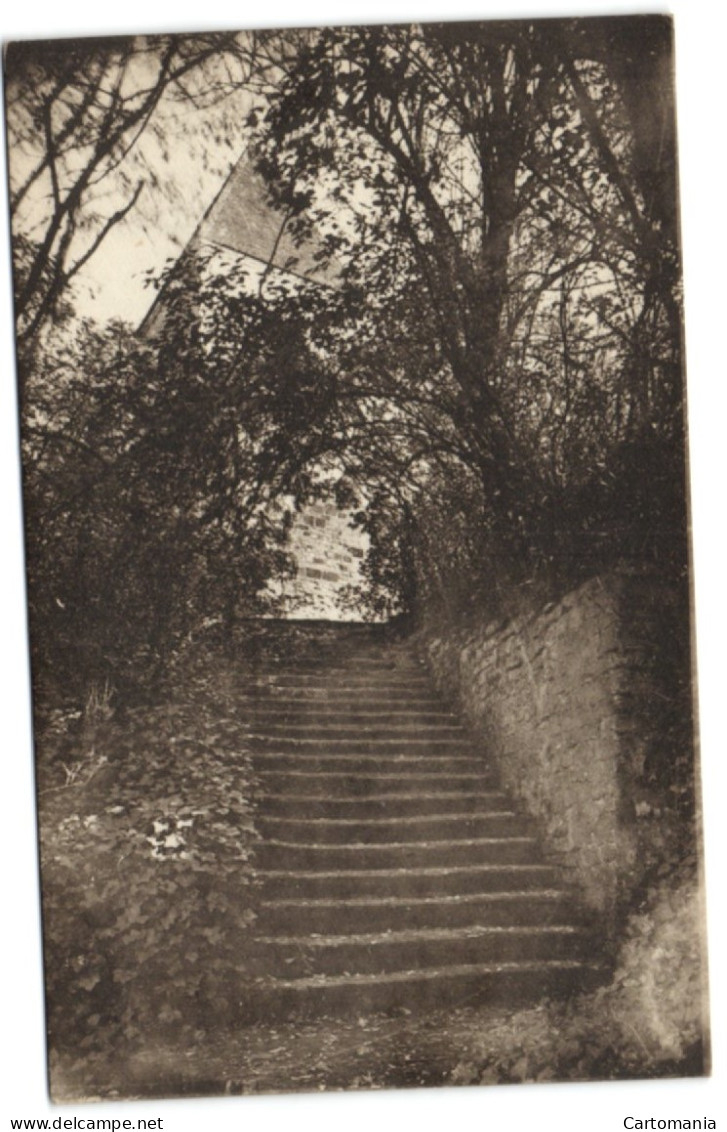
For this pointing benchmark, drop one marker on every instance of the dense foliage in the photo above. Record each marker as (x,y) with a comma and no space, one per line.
(499,199)
(123,561)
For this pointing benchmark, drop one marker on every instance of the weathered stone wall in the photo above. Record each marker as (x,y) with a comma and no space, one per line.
(568,702)
(328,553)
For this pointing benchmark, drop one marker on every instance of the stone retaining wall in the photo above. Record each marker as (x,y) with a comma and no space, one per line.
(569,704)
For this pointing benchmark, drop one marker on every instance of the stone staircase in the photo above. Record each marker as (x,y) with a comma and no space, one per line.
(394,871)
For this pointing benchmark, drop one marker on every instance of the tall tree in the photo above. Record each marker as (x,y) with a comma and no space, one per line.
(483,188)
(428,136)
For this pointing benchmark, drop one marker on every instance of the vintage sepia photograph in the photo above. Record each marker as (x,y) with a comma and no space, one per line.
(352,408)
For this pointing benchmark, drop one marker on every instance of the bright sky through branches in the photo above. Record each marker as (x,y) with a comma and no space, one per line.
(169,165)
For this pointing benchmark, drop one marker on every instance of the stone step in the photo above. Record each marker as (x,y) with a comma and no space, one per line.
(392,870)
(388,734)
(376,663)
(363,784)
(302,713)
(507,983)
(390,913)
(337,831)
(274,853)
(369,764)
(418,803)
(415,948)
(358,662)
(349,680)
(422,880)
(340,698)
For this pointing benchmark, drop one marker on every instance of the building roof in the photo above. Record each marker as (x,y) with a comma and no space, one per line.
(240,219)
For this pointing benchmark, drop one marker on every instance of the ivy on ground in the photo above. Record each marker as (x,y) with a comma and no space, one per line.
(148,879)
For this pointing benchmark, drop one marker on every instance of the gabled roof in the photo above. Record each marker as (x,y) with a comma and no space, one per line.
(241,220)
